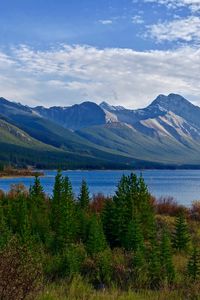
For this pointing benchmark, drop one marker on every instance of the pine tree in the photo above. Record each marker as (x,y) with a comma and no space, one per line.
(138,259)
(147,214)
(181,235)
(108,222)
(24,224)
(36,191)
(39,214)
(194,264)
(134,238)
(139,271)
(56,199)
(96,241)
(154,268)
(133,195)
(84,198)
(83,211)
(83,219)
(167,268)
(121,211)
(57,190)
(67,226)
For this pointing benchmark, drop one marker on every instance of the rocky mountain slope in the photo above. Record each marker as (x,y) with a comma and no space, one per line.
(165,132)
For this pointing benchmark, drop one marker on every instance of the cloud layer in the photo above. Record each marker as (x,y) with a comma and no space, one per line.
(193,5)
(71,74)
(185,29)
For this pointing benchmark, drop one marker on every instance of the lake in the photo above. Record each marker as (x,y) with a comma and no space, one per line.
(183,185)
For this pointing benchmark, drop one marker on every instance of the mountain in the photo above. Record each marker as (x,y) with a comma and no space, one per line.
(178,105)
(166,132)
(18,147)
(170,115)
(64,147)
(75,117)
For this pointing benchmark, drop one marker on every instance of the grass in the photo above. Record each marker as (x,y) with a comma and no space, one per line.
(81,290)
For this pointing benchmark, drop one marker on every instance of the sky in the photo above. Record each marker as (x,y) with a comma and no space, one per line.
(125,52)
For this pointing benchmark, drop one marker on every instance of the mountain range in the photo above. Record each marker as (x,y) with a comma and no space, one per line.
(164,134)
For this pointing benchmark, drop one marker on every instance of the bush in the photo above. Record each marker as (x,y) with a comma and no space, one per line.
(104,267)
(72,260)
(66,264)
(98,269)
(98,202)
(195,211)
(20,272)
(17,190)
(121,268)
(168,206)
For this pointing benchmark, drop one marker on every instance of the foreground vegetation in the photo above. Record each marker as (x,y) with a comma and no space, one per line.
(126,247)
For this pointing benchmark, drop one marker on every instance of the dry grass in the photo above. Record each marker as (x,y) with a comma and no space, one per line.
(80,290)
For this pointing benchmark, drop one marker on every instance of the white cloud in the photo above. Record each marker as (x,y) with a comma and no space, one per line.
(106,22)
(186,29)
(193,5)
(137,19)
(71,74)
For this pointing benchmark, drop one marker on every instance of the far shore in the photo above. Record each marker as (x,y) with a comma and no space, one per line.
(16,173)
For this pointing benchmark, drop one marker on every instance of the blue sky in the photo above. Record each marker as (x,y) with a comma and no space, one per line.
(105,23)
(121,51)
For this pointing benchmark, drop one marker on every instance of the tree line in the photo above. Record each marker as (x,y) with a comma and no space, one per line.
(119,243)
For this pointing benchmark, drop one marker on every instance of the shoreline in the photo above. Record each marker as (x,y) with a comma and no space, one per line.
(19,176)
(15,173)
(41,173)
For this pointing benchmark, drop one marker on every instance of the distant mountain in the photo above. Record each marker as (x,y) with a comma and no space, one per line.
(170,115)
(74,117)
(69,149)
(167,132)
(179,106)
(19,148)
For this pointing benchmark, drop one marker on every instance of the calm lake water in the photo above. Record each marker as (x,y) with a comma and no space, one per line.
(183,185)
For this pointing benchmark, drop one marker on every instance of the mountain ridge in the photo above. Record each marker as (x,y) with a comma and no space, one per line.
(166,132)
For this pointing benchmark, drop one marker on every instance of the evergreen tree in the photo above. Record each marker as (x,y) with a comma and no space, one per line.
(83,220)
(139,271)
(55,203)
(96,241)
(121,211)
(167,268)
(108,222)
(36,191)
(154,268)
(84,198)
(134,239)
(181,236)
(24,225)
(39,214)
(194,264)
(67,226)
(83,211)
(133,196)
(147,214)
(138,259)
